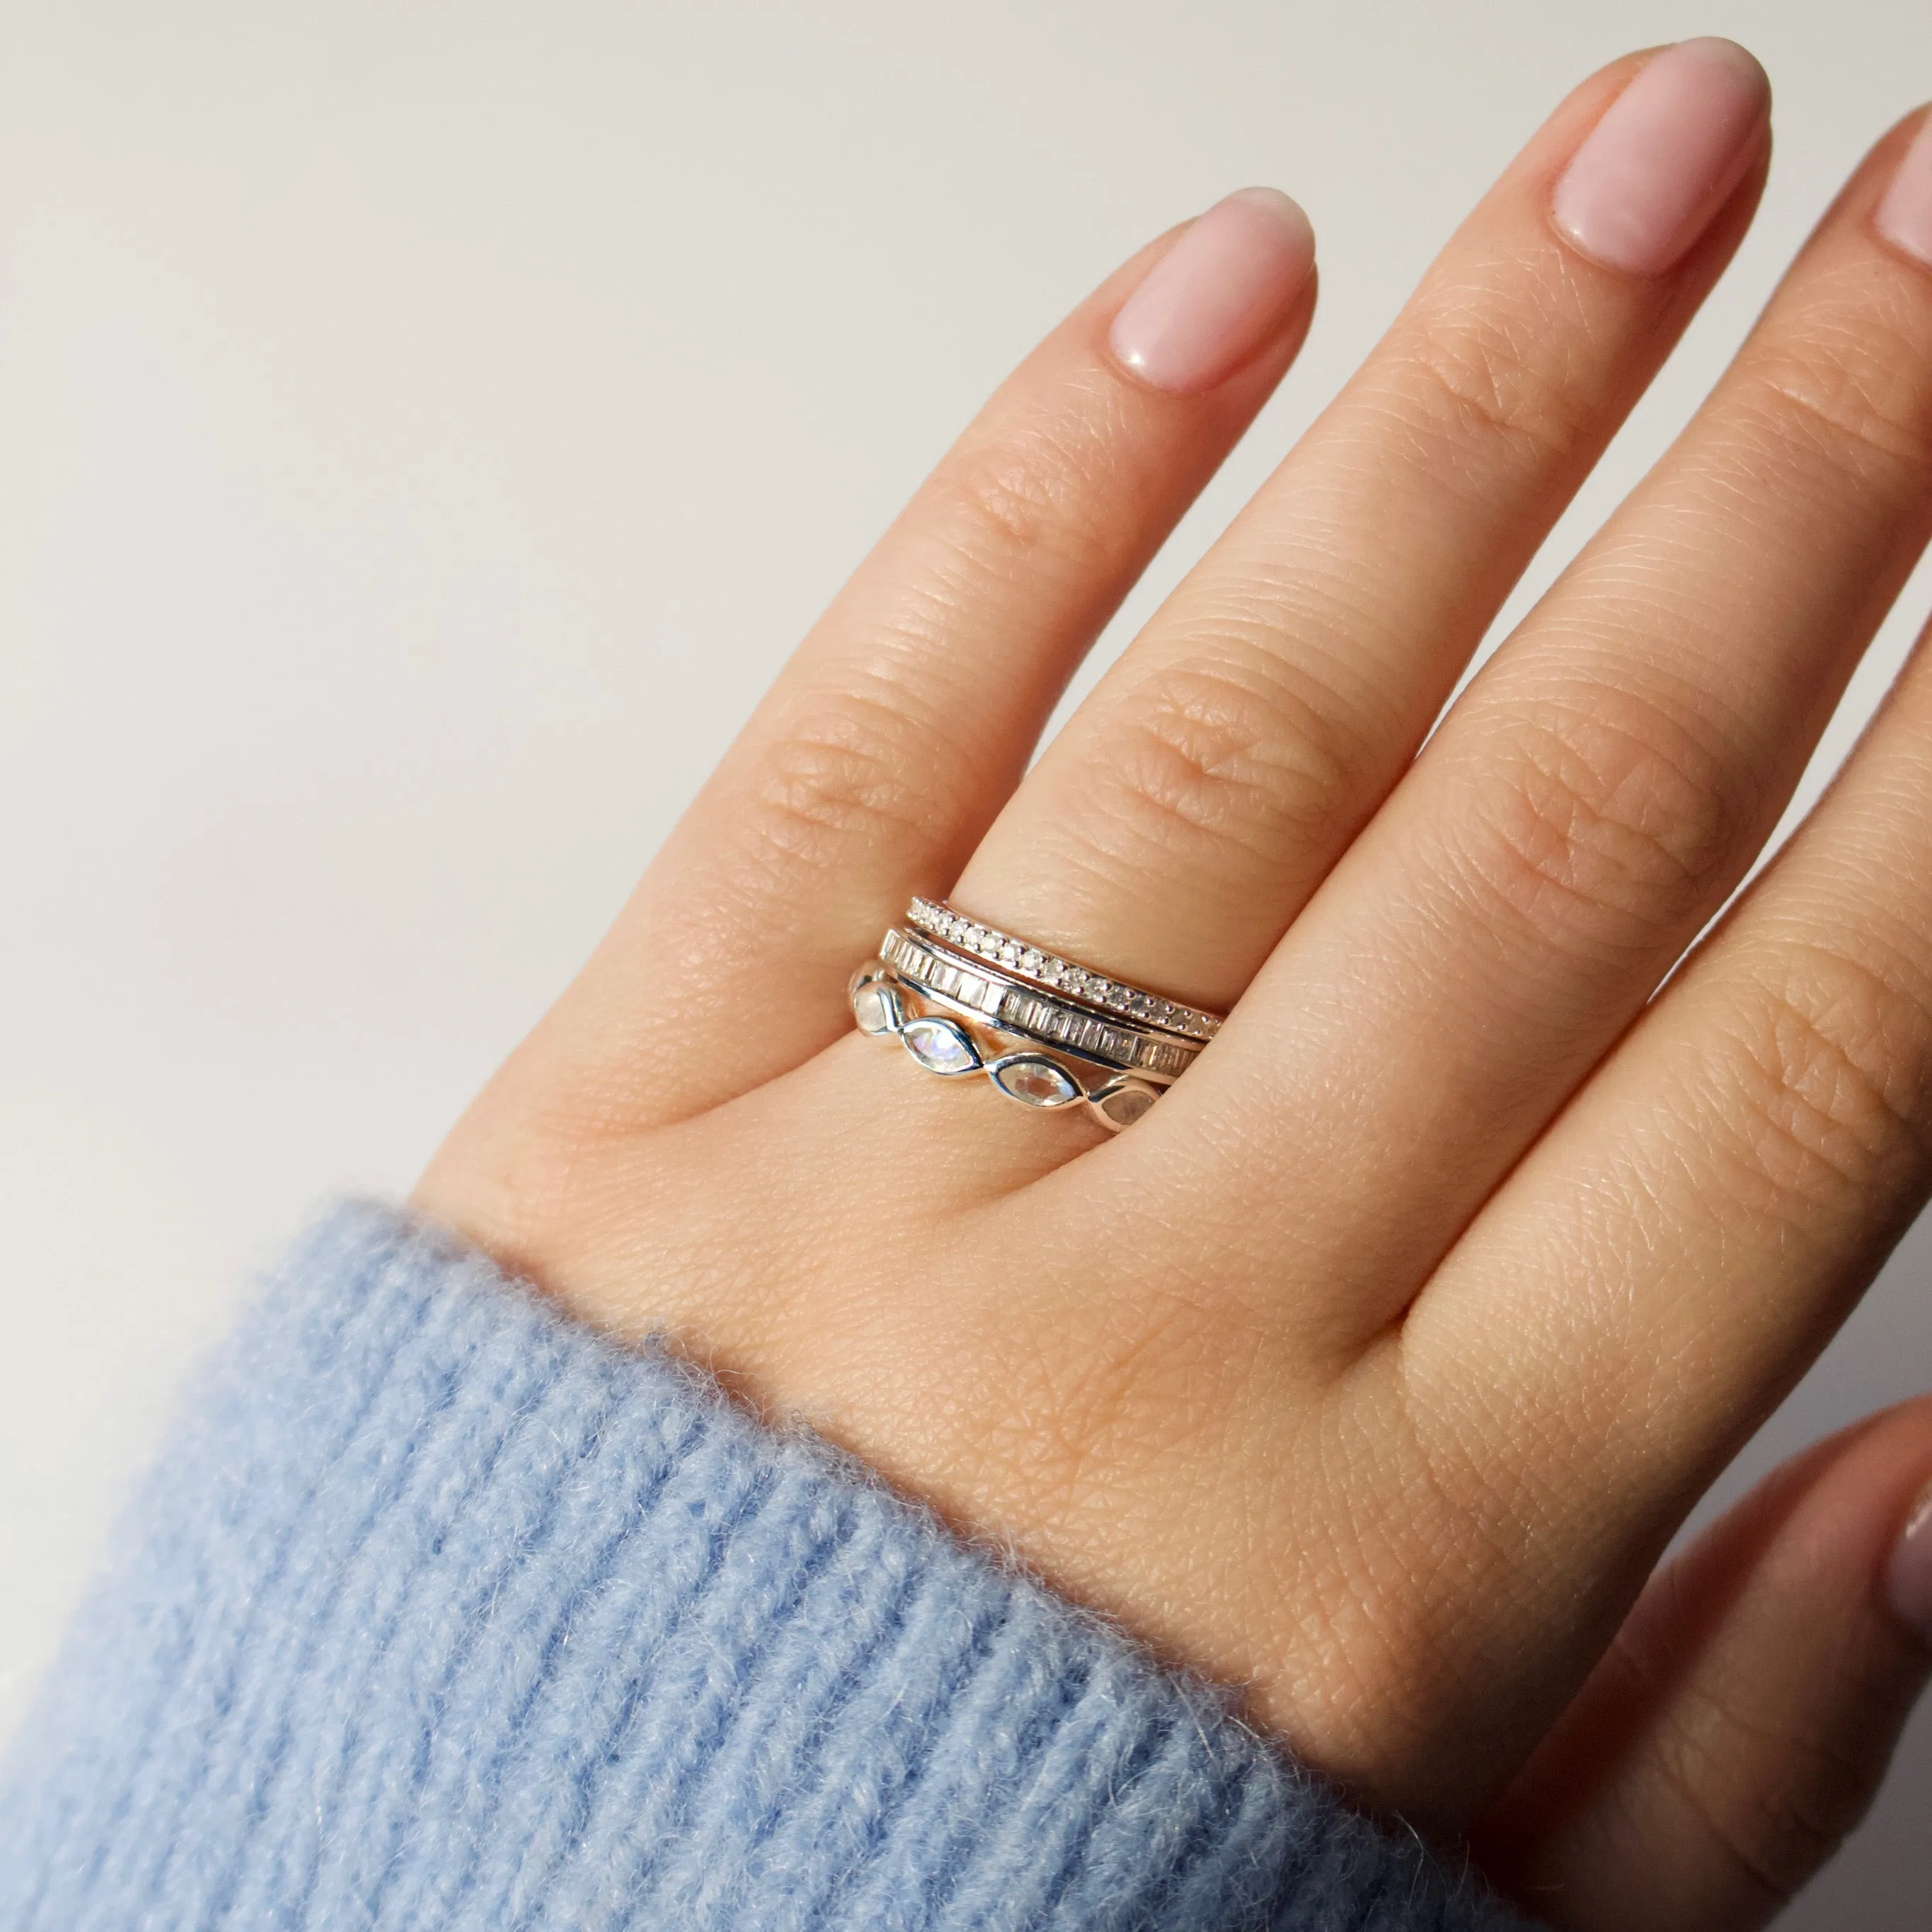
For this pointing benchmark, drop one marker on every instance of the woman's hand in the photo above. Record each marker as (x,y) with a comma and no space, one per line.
(1373,1369)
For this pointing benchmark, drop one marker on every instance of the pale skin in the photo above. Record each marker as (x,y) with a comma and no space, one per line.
(1373,1370)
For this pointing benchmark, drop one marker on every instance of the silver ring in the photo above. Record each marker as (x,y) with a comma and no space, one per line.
(883,1003)
(1067,977)
(996,998)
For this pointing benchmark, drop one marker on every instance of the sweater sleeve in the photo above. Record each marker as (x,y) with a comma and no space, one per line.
(440,1611)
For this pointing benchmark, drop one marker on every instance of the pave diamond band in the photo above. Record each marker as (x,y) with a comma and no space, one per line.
(1070,980)
(998,998)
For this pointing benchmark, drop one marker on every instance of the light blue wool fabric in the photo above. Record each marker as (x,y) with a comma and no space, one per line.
(438,1611)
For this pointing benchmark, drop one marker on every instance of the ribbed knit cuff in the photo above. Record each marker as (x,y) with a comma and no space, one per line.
(438,1611)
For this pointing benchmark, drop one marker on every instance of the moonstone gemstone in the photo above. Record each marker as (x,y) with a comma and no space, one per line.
(1033,1081)
(876,1008)
(1126,1104)
(939,1046)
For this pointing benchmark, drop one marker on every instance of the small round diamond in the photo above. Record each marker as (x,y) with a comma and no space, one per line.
(1031,961)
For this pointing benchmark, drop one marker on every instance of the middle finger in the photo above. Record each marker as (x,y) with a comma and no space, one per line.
(1599,791)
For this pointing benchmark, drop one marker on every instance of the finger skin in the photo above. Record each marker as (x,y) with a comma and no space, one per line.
(1598,793)
(1676,1251)
(1179,822)
(1742,1723)
(900,726)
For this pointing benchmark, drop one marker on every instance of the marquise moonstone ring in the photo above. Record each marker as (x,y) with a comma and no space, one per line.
(963,998)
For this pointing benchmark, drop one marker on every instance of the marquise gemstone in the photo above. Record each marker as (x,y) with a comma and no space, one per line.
(876,1008)
(1033,1081)
(1126,1104)
(939,1046)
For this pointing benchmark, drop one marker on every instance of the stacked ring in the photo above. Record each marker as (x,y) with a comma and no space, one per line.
(1080,1036)
(996,998)
(1081,984)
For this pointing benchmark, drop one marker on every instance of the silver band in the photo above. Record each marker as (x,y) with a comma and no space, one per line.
(884,1004)
(996,998)
(1066,977)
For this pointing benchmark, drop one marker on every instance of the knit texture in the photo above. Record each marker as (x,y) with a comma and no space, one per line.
(438,1611)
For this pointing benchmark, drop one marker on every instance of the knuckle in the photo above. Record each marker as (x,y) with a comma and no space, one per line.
(1778,1821)
(1216,753)
(1850,389)
(839,778)
(1044,490)
(1826,1075)
(1505,376)
(1606,828)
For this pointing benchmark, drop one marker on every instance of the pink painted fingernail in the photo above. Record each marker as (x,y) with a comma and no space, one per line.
(1904,217)
(1665,157)
(1908,1578)
(1212,301)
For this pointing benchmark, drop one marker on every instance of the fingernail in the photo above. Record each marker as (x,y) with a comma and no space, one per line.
(1218,294)
(1904,217)
(1908,1579)
(1665,157)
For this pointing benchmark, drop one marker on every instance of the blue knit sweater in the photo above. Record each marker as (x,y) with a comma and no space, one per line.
(440,1611)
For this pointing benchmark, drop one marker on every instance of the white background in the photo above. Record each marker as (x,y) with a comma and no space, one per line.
(425,427)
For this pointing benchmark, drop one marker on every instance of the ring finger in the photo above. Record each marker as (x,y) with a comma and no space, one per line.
(906,716)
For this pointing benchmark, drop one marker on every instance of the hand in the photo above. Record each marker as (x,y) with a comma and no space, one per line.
(1373,1369)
